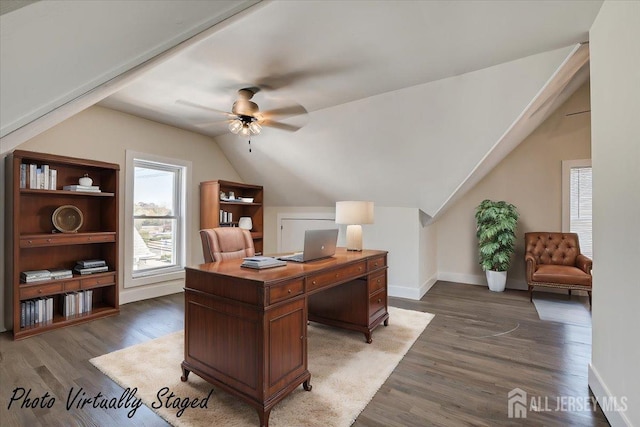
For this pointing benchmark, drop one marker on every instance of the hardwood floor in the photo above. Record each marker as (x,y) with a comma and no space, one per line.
(479,346)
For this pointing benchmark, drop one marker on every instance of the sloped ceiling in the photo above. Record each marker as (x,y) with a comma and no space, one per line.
(405,99)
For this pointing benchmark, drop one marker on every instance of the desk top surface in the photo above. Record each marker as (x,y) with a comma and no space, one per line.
(292,269)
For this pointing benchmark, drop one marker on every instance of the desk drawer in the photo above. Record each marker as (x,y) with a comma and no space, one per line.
(321,280)
(375,263)
(377,304)
(285,290)
(377,281)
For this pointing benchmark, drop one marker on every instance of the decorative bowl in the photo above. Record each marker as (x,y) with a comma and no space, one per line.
(246,199)
(67,219)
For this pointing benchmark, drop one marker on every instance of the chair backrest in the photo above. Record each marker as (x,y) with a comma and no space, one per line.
(219,244)
(552,248)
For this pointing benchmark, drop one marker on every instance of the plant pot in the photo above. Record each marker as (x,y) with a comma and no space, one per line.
(497,280)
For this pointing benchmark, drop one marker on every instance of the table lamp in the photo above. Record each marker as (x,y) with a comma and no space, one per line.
(353,214)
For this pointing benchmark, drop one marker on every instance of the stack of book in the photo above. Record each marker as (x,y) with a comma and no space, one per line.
(39,178)
(91,266)
(260,262)
(35,276)
(83,188)
(36,311)
(63,273)
(75,303)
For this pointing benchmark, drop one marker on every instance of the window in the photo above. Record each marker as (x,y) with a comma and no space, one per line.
(577,198)
(155,206)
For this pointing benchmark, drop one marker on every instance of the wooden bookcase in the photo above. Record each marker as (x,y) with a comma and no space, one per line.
(35,244)
(211,205)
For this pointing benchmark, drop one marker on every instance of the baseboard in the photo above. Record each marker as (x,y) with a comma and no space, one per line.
(412,293)
(152,291)
(469,279)
(474,279)
(601,393)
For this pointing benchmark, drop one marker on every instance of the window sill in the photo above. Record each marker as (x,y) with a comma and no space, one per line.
(153,279)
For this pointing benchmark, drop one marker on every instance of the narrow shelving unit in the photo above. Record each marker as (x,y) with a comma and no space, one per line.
(36,244)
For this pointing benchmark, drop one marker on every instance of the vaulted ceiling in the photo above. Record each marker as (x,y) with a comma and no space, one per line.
(408,102)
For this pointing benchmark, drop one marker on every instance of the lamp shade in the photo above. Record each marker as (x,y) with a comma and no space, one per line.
(354,212)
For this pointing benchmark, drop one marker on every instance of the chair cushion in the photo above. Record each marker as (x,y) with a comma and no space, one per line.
(550,273)
(225,243)
(553,248)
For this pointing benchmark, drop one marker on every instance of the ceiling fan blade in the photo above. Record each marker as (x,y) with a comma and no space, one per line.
(204,107)
(280,125)
(291,110)
(210,123)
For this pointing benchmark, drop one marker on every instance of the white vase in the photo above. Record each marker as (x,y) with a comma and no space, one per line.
(245,222)
(85,180)
(497,280)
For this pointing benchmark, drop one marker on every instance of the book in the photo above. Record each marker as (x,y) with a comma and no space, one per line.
(86,188)
(23,175)
(91,263)
(260,262)
(39,181)
(61,274)
(36,273)
(35,279)
(45,177)
(53,179)
(90,270)
(32,176)
(35,276)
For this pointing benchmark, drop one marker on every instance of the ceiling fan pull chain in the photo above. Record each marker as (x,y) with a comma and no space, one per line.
(249,144)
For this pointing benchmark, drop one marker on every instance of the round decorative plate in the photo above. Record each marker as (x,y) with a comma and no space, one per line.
(67,219)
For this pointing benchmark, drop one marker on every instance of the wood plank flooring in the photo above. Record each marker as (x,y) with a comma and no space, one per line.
(479,346)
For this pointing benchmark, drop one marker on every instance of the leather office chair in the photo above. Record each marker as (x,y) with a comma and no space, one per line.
(219,244)
(554,261)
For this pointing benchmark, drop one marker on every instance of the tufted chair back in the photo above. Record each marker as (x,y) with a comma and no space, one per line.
(222,243)
(552,248)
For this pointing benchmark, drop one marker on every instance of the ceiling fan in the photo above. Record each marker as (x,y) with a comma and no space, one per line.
(245,117)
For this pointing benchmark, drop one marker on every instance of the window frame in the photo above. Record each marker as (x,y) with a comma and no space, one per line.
(567,165)
(162,274)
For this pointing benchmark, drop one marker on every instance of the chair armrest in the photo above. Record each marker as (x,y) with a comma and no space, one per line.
(584,263)
(530,260)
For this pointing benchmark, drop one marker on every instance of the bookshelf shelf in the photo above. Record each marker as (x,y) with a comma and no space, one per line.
(66,193)
(35,245)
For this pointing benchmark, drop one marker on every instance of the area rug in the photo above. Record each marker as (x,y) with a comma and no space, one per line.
(345,371)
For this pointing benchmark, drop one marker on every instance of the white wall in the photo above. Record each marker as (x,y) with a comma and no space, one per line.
(103,134)
(397,230)
(428,254)
(615,100)
(530,178)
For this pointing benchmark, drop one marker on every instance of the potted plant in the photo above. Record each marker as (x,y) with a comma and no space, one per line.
(496,232)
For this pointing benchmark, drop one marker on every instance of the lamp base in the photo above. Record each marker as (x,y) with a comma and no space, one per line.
(354,237)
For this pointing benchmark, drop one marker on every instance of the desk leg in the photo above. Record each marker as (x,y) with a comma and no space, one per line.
(264,417)
(307,385)
(185,374)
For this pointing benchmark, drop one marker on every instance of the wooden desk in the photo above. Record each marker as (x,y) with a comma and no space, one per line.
(246,330)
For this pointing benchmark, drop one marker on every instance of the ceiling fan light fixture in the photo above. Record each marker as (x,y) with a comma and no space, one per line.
(254,127)
(245,131)
(235,126)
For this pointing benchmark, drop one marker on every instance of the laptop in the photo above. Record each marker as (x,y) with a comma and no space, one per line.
(317,244)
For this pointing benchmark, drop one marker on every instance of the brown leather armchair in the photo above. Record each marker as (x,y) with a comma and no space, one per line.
(554,261)
(222,243)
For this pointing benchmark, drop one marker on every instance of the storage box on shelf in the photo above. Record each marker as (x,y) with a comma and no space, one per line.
(215,210)
(37,244)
